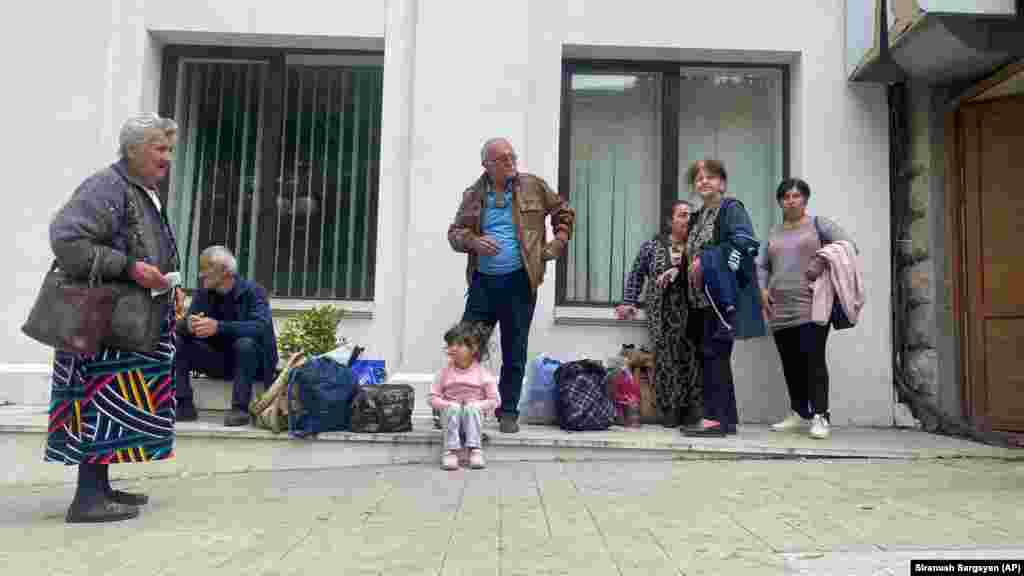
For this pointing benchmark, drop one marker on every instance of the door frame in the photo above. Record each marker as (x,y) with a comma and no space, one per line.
(966,291)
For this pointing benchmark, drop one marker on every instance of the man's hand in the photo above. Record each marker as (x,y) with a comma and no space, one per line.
(555,249)
(485,246)
(148,276)
(202,327)
(625,311)
(767,303)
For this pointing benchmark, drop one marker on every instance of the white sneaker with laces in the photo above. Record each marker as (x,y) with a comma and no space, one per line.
(819,427)
(792,422)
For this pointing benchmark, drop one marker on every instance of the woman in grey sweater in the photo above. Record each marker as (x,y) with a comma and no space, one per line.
(787,265)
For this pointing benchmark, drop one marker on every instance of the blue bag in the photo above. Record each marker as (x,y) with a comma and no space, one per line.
(369,372)
(324,388)
(538,403)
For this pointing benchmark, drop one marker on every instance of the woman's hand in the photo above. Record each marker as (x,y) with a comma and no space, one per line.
(767,303)
(625,311)
(179,303)
(667,277)
(816,267)
(696,273)
(148,276)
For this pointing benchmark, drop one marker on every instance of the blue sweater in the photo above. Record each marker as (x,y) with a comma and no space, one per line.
(244,312)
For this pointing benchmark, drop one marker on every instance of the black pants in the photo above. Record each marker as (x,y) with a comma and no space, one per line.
(802,350)
(240,359)
(715,349)
(508,301)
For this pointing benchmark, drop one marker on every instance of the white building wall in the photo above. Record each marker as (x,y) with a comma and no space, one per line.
(455,74)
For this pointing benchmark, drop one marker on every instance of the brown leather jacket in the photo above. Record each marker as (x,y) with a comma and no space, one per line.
(532,201)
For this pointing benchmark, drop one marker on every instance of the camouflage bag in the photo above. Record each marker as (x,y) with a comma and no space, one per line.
(383,408)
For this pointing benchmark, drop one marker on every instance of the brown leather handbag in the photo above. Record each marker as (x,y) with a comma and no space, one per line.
(72,316)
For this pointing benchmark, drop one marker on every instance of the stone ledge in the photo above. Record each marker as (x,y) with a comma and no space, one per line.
(752,441)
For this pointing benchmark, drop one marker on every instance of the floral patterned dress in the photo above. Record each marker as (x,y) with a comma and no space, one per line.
(677,379)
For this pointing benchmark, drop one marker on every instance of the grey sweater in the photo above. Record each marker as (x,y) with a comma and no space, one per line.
(782,266)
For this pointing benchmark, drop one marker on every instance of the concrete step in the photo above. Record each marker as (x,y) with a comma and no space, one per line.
(215,394)
(207,447)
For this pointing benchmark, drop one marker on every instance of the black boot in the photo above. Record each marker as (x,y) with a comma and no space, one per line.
(118,496)
(91,504)
(185,411)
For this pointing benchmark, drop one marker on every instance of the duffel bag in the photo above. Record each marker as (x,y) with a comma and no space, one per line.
(583,401)
(383,408)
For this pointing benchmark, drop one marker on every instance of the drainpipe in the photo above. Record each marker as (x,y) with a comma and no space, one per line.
(898,142)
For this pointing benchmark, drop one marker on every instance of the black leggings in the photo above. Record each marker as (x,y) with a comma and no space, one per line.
(802,349)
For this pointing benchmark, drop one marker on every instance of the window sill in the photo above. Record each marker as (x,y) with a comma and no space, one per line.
(356,310)
(587,316)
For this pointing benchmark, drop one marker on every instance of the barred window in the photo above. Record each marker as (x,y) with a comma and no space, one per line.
(278,159)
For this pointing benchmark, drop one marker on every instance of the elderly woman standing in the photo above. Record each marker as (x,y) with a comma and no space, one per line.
(787,265)
(117,406)
(676,371)
(723,289)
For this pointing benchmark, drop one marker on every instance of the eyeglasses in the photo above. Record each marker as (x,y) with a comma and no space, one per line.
(510,157)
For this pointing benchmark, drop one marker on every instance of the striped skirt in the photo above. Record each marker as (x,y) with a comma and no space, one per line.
(114,406)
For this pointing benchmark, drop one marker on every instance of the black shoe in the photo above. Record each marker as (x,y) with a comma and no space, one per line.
(186,411)
(100,510)
(127,498)
(699,431)
(670,419)
(509,425)
(236,418)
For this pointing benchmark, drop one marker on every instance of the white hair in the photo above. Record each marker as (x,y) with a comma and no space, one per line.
(135,129)
(488,144)
(220,255)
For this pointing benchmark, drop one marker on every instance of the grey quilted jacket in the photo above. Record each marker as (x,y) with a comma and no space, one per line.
(111,211)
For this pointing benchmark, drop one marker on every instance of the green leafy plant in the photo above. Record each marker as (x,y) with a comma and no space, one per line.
(310,332)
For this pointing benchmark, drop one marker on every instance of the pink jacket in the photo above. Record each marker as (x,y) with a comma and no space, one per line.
(475,384)
(841,279)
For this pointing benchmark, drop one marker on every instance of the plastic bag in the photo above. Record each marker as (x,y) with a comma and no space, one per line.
(538,403)
(369,372)
(343,353)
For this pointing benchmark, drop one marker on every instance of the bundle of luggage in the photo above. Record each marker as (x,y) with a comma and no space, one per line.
(331,393)
(590,395)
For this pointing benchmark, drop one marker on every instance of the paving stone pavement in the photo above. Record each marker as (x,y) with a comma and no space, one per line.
(586,518)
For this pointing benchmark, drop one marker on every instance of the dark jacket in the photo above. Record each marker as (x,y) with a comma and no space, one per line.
(111,212)
(244,312)
(727,264)
(532,201)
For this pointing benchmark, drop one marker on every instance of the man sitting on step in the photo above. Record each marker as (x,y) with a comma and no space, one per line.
(227,333)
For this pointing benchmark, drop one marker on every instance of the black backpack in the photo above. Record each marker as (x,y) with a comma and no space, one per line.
(583,401)
(383,408)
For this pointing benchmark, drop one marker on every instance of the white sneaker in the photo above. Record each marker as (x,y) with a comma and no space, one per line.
(819,427)
(792,422)
(476,459)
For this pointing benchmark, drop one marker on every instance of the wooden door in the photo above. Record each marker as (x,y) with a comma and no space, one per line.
(992,149)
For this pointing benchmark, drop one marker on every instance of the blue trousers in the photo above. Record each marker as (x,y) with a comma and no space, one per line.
(715,345)
(240,359)
(508,301)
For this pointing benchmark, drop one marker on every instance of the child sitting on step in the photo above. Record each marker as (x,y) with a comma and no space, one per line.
(462,392)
